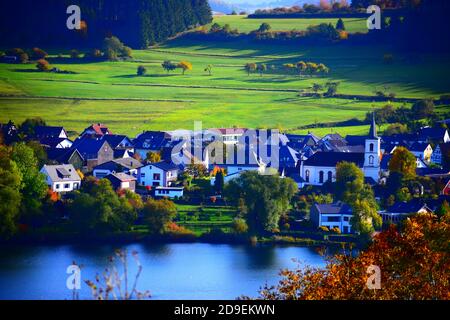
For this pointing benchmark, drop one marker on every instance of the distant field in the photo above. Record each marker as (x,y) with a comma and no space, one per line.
(110,92)
(244,24)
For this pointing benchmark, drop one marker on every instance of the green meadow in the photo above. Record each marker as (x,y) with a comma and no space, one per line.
(112,93)
(245,25)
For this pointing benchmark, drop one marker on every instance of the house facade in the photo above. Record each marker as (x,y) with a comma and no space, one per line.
(161,174)
(122,181)
(93,151)
(169,192)
(61,178)
(126,165)
(336,215)
(400,211)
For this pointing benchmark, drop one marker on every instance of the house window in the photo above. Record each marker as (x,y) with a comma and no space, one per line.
(156,184)
(156,176)
(75,186)
(371,160)
(142,175)
(307,175)
(321,174)
(57,186)
(66,186)
(330,176)
(371,147)
(346,218)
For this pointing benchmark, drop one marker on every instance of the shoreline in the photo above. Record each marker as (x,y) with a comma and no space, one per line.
(125,239)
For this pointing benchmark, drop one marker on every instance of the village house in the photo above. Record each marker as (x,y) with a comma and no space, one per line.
(93,151)
(9,132)
(129,166)
(96,130)
(336,215)
(162,174)
(169,192)
(433,135)
(231,136)
(439,153)
(122,145)
(150,141)
(61,178)
(65,156)
(422,151)
(122,181)
(43,132)
(402,210)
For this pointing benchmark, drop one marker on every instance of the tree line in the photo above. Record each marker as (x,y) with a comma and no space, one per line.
(139,23)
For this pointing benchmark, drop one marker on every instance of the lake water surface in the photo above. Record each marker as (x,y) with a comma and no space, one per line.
(170,271)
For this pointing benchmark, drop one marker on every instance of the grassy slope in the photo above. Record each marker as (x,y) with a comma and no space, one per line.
(228,97)
(243,24)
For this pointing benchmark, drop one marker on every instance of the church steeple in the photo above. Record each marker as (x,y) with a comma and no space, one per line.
(373,128)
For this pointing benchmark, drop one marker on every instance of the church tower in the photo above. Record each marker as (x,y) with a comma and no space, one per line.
(372,153)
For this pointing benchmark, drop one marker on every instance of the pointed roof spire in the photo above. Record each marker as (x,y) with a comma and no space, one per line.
(373,128)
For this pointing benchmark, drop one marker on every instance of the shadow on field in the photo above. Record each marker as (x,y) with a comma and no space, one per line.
(133,76)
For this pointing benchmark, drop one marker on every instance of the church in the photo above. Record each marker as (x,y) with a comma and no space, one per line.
(321,167)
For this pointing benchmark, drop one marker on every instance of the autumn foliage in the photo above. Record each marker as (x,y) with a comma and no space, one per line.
(414,264)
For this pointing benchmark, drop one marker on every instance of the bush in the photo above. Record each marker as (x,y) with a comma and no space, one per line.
(74,54)
(94,54)
(336,230)
(43,65)
(240,226)
(141,71)
(115,49)
(324,229)
(39,54)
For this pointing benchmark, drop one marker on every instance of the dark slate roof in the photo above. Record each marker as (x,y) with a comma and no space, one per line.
(426,134)
(151,140)
(164,165)
(47,132)
(114,140)
(61,155)
(331,159)
(334,208)
(418,146)
(356,140)
(88,147)
(288,152)
(407,207)
(118,164)
(431,171)
(51,142)
(399,138)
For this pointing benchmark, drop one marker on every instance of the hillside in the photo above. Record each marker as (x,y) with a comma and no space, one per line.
(138,23)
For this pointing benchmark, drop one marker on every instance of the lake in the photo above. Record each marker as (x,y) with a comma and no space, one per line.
(170,271)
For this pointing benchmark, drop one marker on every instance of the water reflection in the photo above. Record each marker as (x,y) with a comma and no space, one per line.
(171,271)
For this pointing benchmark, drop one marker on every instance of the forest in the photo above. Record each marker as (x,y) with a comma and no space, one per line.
(139,23)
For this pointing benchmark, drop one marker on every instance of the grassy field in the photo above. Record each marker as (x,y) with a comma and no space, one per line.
(244,24)
(111,93)
(202,219)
